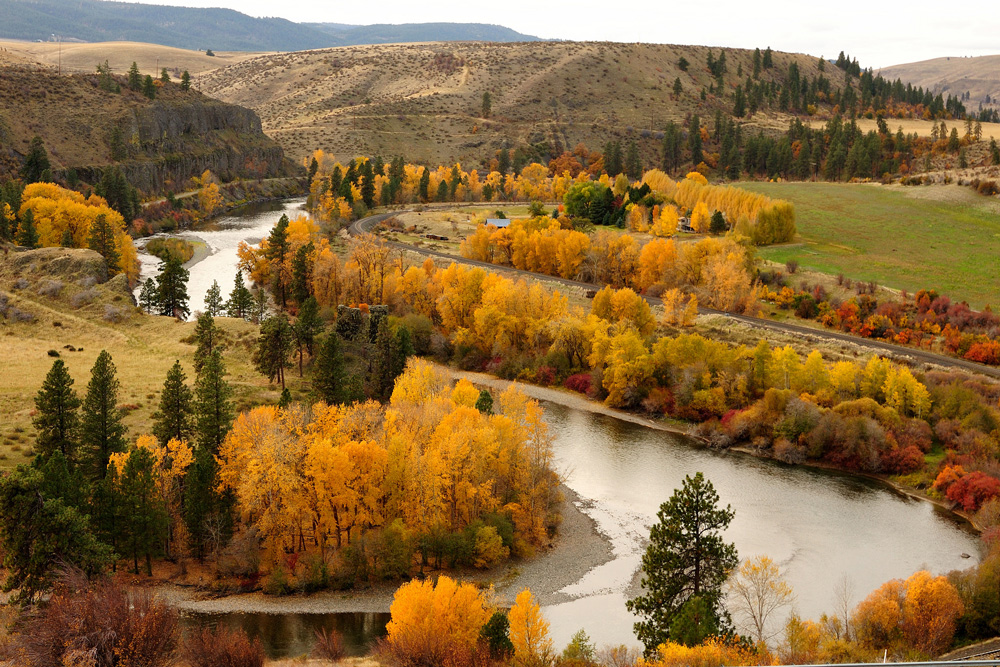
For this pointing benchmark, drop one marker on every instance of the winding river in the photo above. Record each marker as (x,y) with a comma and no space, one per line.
(819,526)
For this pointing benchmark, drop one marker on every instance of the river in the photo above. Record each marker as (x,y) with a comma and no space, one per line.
(221,237)
(819,526)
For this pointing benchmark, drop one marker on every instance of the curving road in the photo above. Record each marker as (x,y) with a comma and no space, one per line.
(365,225)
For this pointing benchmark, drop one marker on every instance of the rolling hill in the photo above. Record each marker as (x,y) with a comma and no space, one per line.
(978,76)
(424,101)
(216,29)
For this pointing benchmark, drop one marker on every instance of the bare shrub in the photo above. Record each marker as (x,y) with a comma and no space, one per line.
(792,266)
(223,647)
(81,299)
(329,645)
(20,283)
(18,315)
(104,625)
(50,288)
(618,656)
(113,314)
(87,281)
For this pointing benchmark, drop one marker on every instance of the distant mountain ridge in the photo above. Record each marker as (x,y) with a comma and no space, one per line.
(216,29)
(385,33)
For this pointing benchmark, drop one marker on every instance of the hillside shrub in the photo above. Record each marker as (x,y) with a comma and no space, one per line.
(223,647)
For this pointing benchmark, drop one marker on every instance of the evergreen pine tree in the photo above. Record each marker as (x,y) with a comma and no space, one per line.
(207,337)
(313,168)
(687,562)
(694,140)
(213,408)
(994,152)
(56,405)
(302,273)
(164,76)
(134,77)
(633,164)
(368,184)
(67,238)
(171,289)
(329,377)
(277,249)
(145,516)
(148,87)
(185,81)
(391,349)
(717,224)
(62,480)
(36,162)
(274,345)
(173,419)
(285,399)
(199,501)
(102,432)
(487,106)
(148,298)
(613,158)
(213,300)
(336,178)
(678,87)
(307,327)
(739,103)
(102,240)
(485,402)
(41,536)
(503,161)
(240,303)
(442,193)
(27,235)
(425,182)
(258,309)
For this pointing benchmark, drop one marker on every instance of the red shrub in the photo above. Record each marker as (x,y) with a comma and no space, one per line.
(902,460)
(985,352)
(973,490)
(545,375)
(579,382)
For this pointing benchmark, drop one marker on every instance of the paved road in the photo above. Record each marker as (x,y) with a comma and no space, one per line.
(365,225)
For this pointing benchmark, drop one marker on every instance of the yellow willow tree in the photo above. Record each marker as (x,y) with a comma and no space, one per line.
(529,632)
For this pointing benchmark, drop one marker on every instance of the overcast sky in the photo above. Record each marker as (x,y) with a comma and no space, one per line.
(877,33)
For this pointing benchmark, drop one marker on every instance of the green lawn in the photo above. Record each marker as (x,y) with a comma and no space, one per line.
(941,237)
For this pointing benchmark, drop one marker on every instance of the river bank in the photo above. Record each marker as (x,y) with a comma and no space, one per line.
(578,548)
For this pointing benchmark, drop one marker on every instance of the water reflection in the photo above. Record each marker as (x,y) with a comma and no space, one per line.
(293,635)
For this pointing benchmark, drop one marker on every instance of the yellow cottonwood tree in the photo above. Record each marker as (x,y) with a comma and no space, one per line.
(529,631)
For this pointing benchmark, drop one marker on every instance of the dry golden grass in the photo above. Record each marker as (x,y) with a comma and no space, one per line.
(314,662)
(424,100)
(143,348)
(923,128)
(84,57)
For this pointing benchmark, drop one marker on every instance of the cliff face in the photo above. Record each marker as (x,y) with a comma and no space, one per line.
(158,143)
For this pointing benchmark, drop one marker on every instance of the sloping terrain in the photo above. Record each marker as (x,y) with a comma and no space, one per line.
(979,76)
(83,57)
(424,101)
(176,136)
(387,33)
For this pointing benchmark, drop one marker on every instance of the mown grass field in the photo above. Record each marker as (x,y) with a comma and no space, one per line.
(942,237)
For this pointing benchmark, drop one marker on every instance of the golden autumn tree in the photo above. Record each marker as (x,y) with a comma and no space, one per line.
(529,632)
(701,219)
(434,624)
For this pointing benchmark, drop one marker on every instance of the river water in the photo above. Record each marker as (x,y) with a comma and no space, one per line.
(818,526)
(221,237)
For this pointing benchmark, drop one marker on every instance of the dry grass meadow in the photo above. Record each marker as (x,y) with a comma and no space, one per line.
(75,57)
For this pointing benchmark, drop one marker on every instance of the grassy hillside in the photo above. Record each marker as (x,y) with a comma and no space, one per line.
(979,76)
(944,237)
(83,57)
(53,300)
(385,33)
(425,101)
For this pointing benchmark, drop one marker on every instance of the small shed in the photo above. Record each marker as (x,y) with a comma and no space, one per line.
(498,222)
